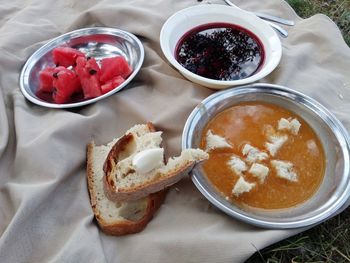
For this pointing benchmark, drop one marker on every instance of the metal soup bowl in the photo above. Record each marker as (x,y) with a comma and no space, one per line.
(97,42)
(334,190)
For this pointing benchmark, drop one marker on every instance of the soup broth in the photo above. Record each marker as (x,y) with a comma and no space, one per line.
(251,123)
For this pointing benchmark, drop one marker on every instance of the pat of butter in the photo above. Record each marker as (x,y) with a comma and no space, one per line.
(147,160)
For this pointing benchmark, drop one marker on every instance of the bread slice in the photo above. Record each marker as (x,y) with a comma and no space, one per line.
(116,218)
(123,183)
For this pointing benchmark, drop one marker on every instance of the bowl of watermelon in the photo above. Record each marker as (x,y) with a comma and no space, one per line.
(81,67)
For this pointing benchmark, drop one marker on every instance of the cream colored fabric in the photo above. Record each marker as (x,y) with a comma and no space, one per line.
(45,215)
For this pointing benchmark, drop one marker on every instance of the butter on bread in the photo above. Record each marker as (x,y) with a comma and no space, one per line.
(122,182)
(116,218)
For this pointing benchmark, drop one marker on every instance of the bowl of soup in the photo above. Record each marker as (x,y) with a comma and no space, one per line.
(278,158)
(219,46)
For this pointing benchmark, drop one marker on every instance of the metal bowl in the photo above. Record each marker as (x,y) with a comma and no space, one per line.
(97,42)
(335,188)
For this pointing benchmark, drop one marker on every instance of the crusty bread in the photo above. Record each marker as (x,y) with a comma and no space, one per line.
(116,218)
(123,183)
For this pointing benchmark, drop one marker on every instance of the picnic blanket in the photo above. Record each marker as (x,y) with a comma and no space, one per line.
(45,214)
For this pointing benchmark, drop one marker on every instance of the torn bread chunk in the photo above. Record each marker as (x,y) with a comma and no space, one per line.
(127,178)
(295,126)
(275,143)
(242,186)
(237,165)
(132,146)
(260,171)
(119,218)
(214,141)
(253,154)
(285,170)
(290,125)
(283,124)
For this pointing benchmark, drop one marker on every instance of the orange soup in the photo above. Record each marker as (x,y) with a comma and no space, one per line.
(256,124)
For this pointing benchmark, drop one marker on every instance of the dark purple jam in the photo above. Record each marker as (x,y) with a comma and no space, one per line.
(220,51)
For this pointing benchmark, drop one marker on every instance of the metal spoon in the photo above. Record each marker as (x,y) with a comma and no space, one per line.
(267,17)
(279,29)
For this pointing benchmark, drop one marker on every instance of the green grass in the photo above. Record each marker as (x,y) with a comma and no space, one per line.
(329,241)
(337,10)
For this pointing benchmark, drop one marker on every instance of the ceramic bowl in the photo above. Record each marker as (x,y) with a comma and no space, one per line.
(184,20)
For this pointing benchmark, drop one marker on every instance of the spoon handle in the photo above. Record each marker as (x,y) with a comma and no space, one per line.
(267,17)
(279,29)
(275,19)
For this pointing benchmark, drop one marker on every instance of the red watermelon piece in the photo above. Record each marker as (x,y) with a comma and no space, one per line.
(66,56)
(112,84)
(65,83)
(88,72)
(46,78)
(93,67)
(113,67)
(86,77)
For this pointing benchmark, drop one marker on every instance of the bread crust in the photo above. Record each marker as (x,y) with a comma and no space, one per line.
(145,189)
(126,227)
(112,156)
(120,227)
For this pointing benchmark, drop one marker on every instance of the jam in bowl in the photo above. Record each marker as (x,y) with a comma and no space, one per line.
(220,51)
(218,47)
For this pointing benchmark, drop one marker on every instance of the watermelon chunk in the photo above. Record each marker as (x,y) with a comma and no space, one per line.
(79,77)
(66,56)
(65,83)
(112,84)
(93,67)
(46,78)
(113,67)
(89,77)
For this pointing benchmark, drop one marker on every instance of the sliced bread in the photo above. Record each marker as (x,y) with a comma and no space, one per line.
(122,181)
(116,218)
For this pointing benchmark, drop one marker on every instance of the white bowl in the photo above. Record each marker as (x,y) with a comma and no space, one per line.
(185,20)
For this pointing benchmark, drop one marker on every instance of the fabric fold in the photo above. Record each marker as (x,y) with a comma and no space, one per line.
(45,213)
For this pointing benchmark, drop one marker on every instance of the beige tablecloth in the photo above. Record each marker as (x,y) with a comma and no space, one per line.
(45,214)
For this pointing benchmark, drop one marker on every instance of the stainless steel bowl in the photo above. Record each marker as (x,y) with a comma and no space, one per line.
(97,42)
(335,188)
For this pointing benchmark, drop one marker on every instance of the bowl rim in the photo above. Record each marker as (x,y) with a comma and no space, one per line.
(55,42)
(337,204)
(224,83)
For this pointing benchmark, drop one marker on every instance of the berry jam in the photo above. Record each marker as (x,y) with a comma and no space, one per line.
(220,51)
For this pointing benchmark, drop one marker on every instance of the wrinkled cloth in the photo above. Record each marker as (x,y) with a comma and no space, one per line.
(45,214)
